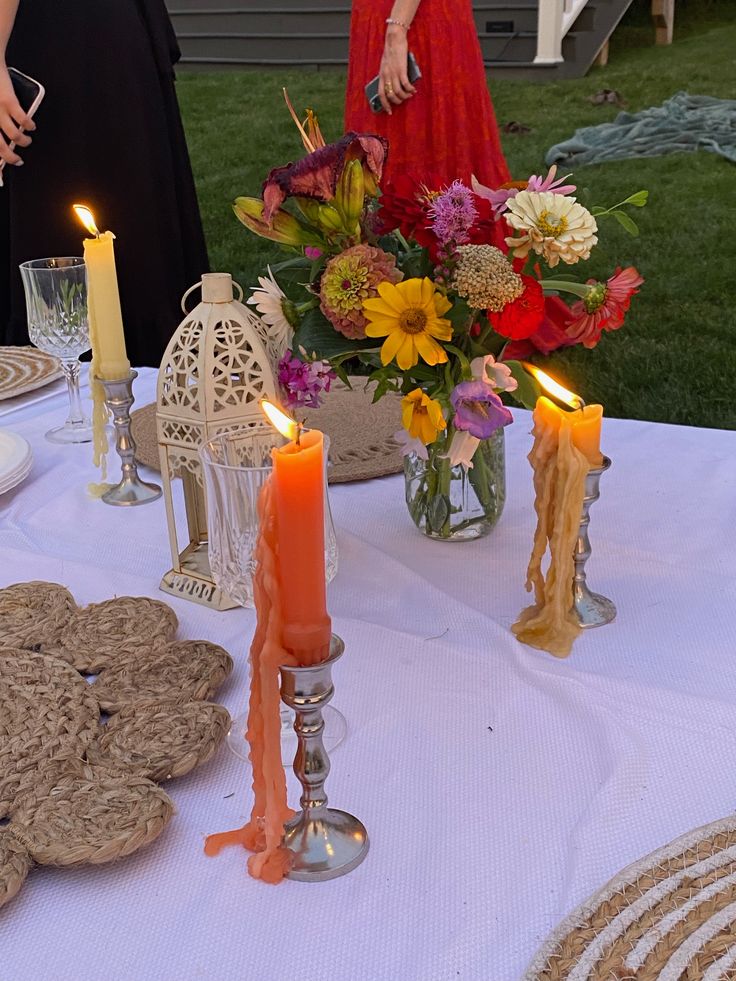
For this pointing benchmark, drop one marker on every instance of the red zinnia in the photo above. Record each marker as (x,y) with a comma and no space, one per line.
(522,316)
(549,336)
(405,203)
(604,307)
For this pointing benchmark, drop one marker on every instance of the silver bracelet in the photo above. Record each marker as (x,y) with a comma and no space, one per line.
(398,23)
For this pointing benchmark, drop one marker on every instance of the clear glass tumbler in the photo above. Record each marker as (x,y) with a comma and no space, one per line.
(236,464)
(56,304)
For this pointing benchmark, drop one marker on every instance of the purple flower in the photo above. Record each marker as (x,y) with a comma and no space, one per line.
(312,253)
(303,382)
(453,214)
(478,410)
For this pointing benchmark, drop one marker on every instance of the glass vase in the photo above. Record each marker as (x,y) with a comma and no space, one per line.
(453,504)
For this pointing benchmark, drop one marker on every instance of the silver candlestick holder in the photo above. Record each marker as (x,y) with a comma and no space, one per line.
(325,843)
(593,610)
(131,490)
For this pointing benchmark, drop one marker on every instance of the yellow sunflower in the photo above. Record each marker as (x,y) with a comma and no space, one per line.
(422,416)
(409,316)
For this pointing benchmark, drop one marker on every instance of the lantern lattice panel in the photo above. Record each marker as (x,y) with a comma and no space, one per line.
(215,371)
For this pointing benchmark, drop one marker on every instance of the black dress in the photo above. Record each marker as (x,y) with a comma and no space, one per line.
(109,135)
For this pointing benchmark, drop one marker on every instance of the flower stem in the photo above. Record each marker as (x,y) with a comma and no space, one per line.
(402,241)
(563,285)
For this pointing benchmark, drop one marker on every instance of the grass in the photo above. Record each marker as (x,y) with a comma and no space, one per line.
(675,358)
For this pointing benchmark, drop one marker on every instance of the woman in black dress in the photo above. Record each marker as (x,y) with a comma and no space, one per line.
(108,134)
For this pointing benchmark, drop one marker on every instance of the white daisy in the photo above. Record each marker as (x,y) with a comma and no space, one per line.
(552,225)
(269,302)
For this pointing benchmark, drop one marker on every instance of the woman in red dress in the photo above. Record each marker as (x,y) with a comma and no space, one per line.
(443,125)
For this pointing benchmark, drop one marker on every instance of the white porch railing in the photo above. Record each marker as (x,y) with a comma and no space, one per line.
(554,20)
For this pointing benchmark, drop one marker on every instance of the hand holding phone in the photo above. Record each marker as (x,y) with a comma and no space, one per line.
(20,96)
(380,96)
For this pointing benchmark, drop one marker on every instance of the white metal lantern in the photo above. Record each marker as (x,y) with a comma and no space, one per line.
(214,371)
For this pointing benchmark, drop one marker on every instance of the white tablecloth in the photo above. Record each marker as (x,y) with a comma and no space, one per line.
(499,786)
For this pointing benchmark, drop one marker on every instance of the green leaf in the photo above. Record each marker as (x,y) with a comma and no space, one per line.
(316,333)
(341,374)
(528,391)
(459,315)
(626,222)
(420,373)
(460,355)
(638,200)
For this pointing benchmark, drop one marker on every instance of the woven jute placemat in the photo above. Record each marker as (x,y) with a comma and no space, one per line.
(362,443)
(668,917)
(184,671)
(34,614)
(89,817)
(15,864)
(162,740)
(76,787)
(24,369)
(102,633)
(47,713)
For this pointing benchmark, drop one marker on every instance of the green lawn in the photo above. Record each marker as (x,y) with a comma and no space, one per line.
(675,358)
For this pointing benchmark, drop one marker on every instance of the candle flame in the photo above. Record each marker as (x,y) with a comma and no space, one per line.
(287,426)
(87,218)
(554,388)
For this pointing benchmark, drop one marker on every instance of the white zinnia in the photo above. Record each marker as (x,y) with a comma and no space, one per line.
(268,301)
(554,226)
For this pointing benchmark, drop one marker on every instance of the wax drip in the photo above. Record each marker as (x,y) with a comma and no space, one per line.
(263,834)
(551,623)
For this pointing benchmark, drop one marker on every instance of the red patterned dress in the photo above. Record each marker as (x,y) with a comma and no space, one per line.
(448,128)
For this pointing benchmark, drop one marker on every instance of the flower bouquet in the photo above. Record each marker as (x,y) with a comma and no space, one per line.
(440,292)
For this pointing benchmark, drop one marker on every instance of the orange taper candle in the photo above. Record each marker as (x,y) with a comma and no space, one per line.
(299,501)
(585,421)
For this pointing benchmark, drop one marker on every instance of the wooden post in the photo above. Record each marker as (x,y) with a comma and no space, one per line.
(601,59)
(663,15)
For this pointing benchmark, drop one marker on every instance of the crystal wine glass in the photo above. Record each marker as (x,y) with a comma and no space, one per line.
(56,302)
(236,464)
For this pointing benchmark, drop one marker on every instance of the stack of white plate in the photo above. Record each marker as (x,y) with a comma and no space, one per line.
(16,459)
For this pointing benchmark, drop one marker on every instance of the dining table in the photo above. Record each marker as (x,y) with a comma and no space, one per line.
(499,785)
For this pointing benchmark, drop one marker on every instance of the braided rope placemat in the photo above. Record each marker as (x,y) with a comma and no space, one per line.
(162,741)
(362,443)
(90,817)
(47,712)
(101,633)
(76,788)
(34,614)
(184,671)
(668,917)
(15,864)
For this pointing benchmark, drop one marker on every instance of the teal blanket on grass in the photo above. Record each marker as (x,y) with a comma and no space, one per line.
(683,123)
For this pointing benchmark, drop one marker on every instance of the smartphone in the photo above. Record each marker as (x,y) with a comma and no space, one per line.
(371,90)
(29,94)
